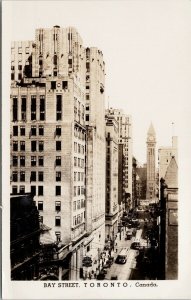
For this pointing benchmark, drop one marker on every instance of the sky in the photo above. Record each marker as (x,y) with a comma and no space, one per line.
(146,47)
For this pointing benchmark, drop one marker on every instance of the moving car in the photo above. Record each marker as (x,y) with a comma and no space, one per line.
(136,244)
(122,256)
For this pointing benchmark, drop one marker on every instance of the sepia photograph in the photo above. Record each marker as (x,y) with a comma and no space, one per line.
(96,140)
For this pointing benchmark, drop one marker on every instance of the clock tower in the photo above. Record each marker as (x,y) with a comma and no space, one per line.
(151,173)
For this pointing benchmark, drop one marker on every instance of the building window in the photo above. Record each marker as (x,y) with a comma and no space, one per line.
(87,117)
(58,145)
(33,161)
(22,145)
(22,176)
(33,190)
(23,109)
(58,130)
(58,176)
(15,146)
(41,161)
(22,161)
(40,205)
(58,160)
(58,236)
(12,76)
(41,146)
(58,190)
(74,205)
(33,146)
(58,107)
(33,108)
(14,189)
(78,204)
(15,176)
(22,189)
(57,221)
(78,190)
(22,130)
(33,176)
(41,219)
(40,176)
(64,84)
(15,109)
(41,130)
(74,220)
(75,190)
(53,85)
(42,107)
(40,190)
(58,206)
(15,130)
(33,130)
(20,76)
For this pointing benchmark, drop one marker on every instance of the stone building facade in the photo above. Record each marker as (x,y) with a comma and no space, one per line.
(95,149)
(112,207)
(151,169)
(49,121)
(125,139)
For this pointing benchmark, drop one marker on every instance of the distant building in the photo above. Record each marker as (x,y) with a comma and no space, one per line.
(165,154)
(151,171)
(141,182)
(121,161)
(125,138)
(134,183)
(112,207)
(169,222)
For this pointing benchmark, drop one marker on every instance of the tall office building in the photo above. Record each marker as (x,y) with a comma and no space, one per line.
(151,172)
(95,150)
(111,207)
(125,152)
(49,94)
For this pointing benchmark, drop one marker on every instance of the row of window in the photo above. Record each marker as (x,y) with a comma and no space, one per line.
(15,108)
(15,160)
(78,148)
(78,162)
(78,204)
(33,131)
(40,205)
(33,176)
(34,146)
(79,133)
(78,219)
(20,50)
(79,190)
(78,176)
(21,190)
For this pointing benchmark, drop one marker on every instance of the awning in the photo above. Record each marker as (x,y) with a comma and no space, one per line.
(47,237)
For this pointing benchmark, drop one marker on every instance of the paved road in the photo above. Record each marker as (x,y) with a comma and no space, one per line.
(123,271)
